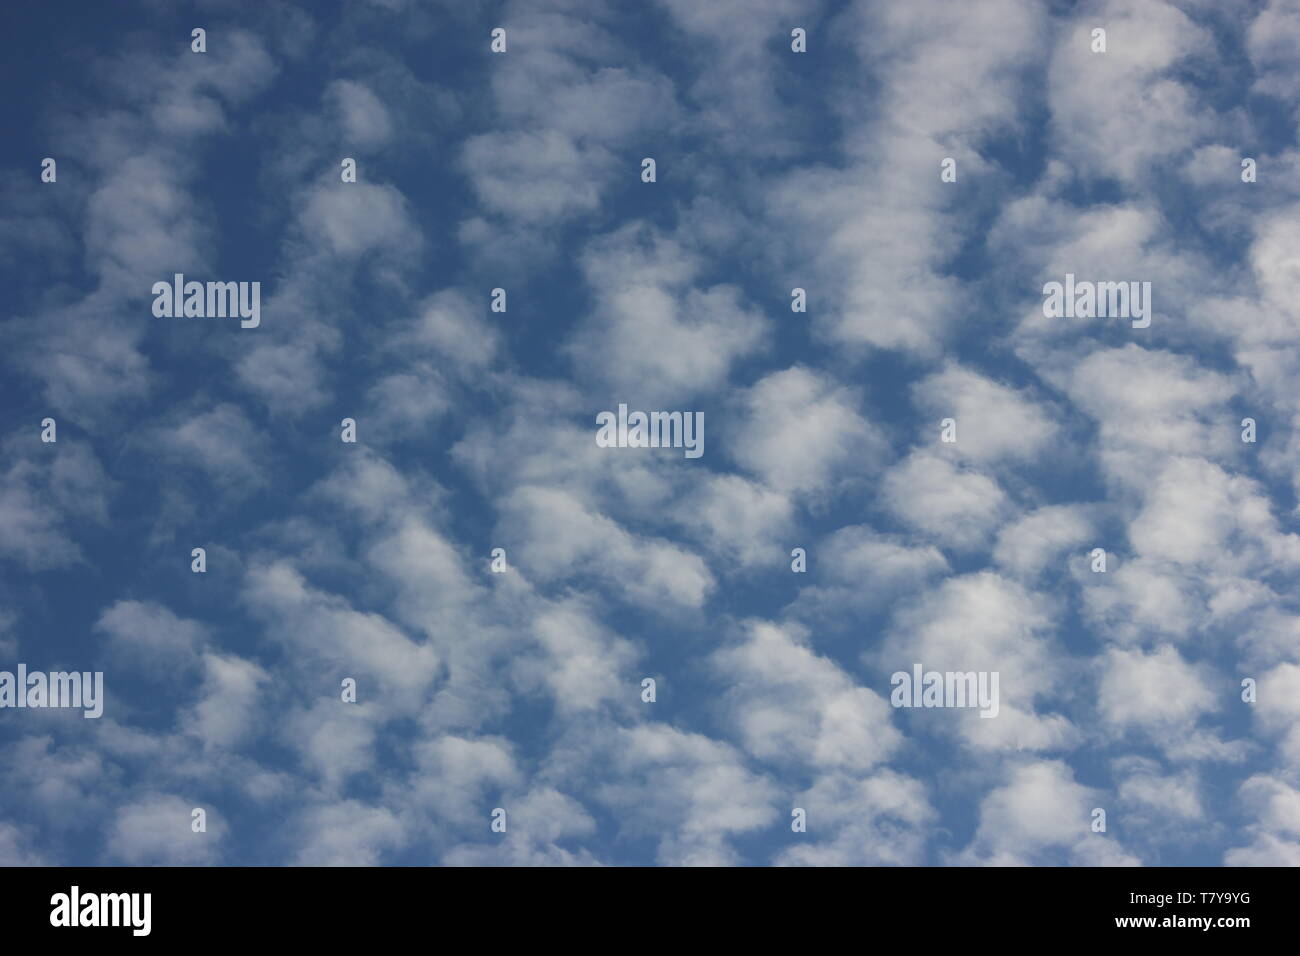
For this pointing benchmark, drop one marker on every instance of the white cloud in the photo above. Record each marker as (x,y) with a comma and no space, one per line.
(880,820)
(331,640)
(365,121)
(689,792)
(222,442)
(790,705)
(360,219)
(150,639)
(740,521)
(803,433)
(346,833)
(46,497)
(1039,817)
(984,622)
(16,849)
(1160,691)
(558,538)
(994,422)
(227,710)
(155,830)
(956,507)
(653,336)
(1121,111)
(1043,537)
(864,571)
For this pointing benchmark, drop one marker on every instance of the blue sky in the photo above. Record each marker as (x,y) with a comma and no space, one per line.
(522,690)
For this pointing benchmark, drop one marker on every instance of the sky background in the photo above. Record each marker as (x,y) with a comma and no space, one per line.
(522,690)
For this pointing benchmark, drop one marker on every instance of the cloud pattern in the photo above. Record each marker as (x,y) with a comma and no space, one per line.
(776,171)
